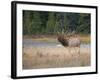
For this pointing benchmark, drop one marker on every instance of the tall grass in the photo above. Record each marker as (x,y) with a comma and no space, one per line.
(47,57)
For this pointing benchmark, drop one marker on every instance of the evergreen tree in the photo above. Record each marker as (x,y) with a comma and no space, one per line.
(35,23)
(84,23)
(26,22)
(51,23)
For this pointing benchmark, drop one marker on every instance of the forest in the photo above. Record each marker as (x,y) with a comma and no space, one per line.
(51,23)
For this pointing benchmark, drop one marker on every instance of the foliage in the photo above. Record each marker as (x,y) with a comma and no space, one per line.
(42,22)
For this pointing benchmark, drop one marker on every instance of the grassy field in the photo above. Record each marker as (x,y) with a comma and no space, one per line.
(47,57)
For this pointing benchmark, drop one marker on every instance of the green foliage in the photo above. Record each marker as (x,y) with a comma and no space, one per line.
(42,22)
(84,23)
(50,23)
(35,23)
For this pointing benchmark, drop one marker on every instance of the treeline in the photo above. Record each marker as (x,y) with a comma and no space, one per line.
(42,22)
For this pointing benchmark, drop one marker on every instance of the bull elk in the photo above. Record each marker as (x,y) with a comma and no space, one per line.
(70,41)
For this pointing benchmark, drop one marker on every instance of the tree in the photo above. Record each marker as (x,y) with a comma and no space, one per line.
(35,23)
(26,22)
(44,18)
(84,23)
(51,23)
(73,21)
(62,22)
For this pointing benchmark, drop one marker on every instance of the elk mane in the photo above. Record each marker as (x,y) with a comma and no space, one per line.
(63,40)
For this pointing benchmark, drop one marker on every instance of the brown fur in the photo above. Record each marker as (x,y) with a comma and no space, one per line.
(69,41)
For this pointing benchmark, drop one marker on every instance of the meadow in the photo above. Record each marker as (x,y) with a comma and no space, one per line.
(54,57)
(44,57)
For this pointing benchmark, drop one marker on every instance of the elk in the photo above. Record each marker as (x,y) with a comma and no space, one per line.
(71,41)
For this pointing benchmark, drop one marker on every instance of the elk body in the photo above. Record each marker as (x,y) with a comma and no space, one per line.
(70,41)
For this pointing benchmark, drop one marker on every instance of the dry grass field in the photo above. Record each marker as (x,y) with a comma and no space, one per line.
(48,57)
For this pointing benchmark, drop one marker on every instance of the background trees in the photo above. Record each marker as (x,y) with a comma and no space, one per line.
(42,22)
